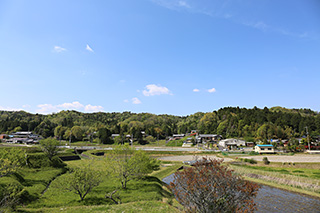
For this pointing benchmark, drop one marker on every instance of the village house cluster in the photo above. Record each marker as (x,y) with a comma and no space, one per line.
(21,138)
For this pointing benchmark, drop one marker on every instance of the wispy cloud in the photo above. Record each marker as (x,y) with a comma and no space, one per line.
(50,108)
(59,49)
(196,90)
(89,48)
(184,4)
(173,4)
(153,89)
(136,101)
(126,100)
(212,90)
(232,11)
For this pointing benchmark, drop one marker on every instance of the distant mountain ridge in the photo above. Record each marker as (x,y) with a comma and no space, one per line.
(276,122)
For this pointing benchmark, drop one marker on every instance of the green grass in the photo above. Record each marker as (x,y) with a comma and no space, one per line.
(140,206)
(166,171)
(147,189)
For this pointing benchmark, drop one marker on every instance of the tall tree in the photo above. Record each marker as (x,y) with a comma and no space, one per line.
(125,163)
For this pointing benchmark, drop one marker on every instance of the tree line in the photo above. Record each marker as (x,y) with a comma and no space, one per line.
(251,124)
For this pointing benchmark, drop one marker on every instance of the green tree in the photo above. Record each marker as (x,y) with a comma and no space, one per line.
(49,146)
(81,180)
(222,128)
(10,160)
(104,135)
(77,132)
(126,164)
(59,131)
(135,128)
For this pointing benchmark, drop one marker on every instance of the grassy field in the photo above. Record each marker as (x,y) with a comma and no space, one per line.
(140,206)
(148,194)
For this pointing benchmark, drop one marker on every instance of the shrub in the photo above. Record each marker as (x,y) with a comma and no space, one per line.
(11,195)
(252,161)
(39,160)
(266,161)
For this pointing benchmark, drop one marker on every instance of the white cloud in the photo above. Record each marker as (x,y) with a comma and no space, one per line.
(90,108)
(153,89)
(212,90)
(183,4)
(89,48)
(59,49)
(76,105)
(136,101)
(126,100)
(73,105)
(47,108)
(195,90)
(26,106)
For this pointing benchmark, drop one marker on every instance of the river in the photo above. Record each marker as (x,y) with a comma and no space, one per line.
(271,199)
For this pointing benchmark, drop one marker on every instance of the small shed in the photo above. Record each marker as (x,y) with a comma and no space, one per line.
(265,148)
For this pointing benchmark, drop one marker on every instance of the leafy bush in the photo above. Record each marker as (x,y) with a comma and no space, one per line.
(266,161)
(39,160)
(11,195)
(252,161)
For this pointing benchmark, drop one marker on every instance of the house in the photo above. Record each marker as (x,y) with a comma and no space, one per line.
(21,134)
(265,148)
(232,143)
(114,135)
(177,136)
(207,138)
(250,144)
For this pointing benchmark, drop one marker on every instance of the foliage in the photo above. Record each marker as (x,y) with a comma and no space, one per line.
(104,135)
(49,146)
(266,161)
(251,161)
(81,180)
(261,124)
(126,164)
(150,139)
(10,196)
(10,160)
(211,187)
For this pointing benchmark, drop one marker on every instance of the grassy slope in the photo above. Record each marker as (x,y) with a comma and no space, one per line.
(141,206)
(148,189)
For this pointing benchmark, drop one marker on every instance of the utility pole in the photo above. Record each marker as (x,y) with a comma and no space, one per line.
(70,138)
(308,137)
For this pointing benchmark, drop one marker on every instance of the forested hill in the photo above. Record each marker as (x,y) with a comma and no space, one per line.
(276,122)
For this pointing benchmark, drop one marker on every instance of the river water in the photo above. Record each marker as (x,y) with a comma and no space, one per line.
(271,199)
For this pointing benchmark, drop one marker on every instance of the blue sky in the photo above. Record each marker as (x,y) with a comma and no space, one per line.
(159,56)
